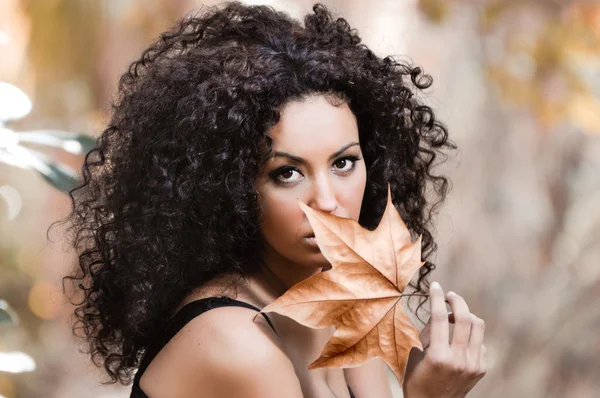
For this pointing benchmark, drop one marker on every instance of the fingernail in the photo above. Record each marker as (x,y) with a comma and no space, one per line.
(435,285)
(450,293)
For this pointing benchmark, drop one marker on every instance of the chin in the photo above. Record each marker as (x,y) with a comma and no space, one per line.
(317,260)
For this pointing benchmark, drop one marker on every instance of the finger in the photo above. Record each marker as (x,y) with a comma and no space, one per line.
(482,360)
(439,319)
(462,321)
(476,338)
(425,334)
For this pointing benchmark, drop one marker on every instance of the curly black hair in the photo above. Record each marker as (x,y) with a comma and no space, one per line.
(167,199)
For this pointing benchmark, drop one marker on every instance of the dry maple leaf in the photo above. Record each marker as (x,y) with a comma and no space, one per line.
(360,294)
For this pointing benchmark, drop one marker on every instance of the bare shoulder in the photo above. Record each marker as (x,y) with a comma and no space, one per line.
(223,353)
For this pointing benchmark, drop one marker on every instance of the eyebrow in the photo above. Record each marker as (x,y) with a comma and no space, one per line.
(300,160)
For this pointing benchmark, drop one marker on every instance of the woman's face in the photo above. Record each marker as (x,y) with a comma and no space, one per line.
(316,158)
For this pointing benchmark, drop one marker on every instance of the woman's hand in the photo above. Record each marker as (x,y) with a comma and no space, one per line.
(447,369)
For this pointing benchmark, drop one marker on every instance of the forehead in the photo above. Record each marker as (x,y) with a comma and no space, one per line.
(314,122)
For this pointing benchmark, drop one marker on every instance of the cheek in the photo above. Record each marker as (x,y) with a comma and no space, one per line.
(352,195)
(282,217)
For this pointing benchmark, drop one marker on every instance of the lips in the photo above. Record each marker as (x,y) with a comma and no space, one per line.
(312,241)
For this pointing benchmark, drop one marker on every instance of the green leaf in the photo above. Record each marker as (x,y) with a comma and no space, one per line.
(60,176)
(75,143)
(7,314)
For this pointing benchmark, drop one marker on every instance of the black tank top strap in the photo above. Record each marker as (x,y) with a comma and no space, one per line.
(182,318)
(197,307)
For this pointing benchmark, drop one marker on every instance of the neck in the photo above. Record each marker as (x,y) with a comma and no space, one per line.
(278,274)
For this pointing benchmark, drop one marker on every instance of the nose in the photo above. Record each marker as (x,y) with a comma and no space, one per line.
(323,196)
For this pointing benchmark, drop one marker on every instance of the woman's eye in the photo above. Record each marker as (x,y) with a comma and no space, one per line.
(346,164)
(286,176)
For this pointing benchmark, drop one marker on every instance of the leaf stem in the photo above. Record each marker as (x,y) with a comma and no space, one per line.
(419,294)
(414,294)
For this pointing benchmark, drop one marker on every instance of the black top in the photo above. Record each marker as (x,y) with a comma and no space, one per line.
(183,316)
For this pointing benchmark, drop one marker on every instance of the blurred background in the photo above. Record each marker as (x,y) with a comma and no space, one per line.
(516,81)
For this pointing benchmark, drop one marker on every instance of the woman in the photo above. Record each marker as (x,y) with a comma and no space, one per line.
(188,206)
